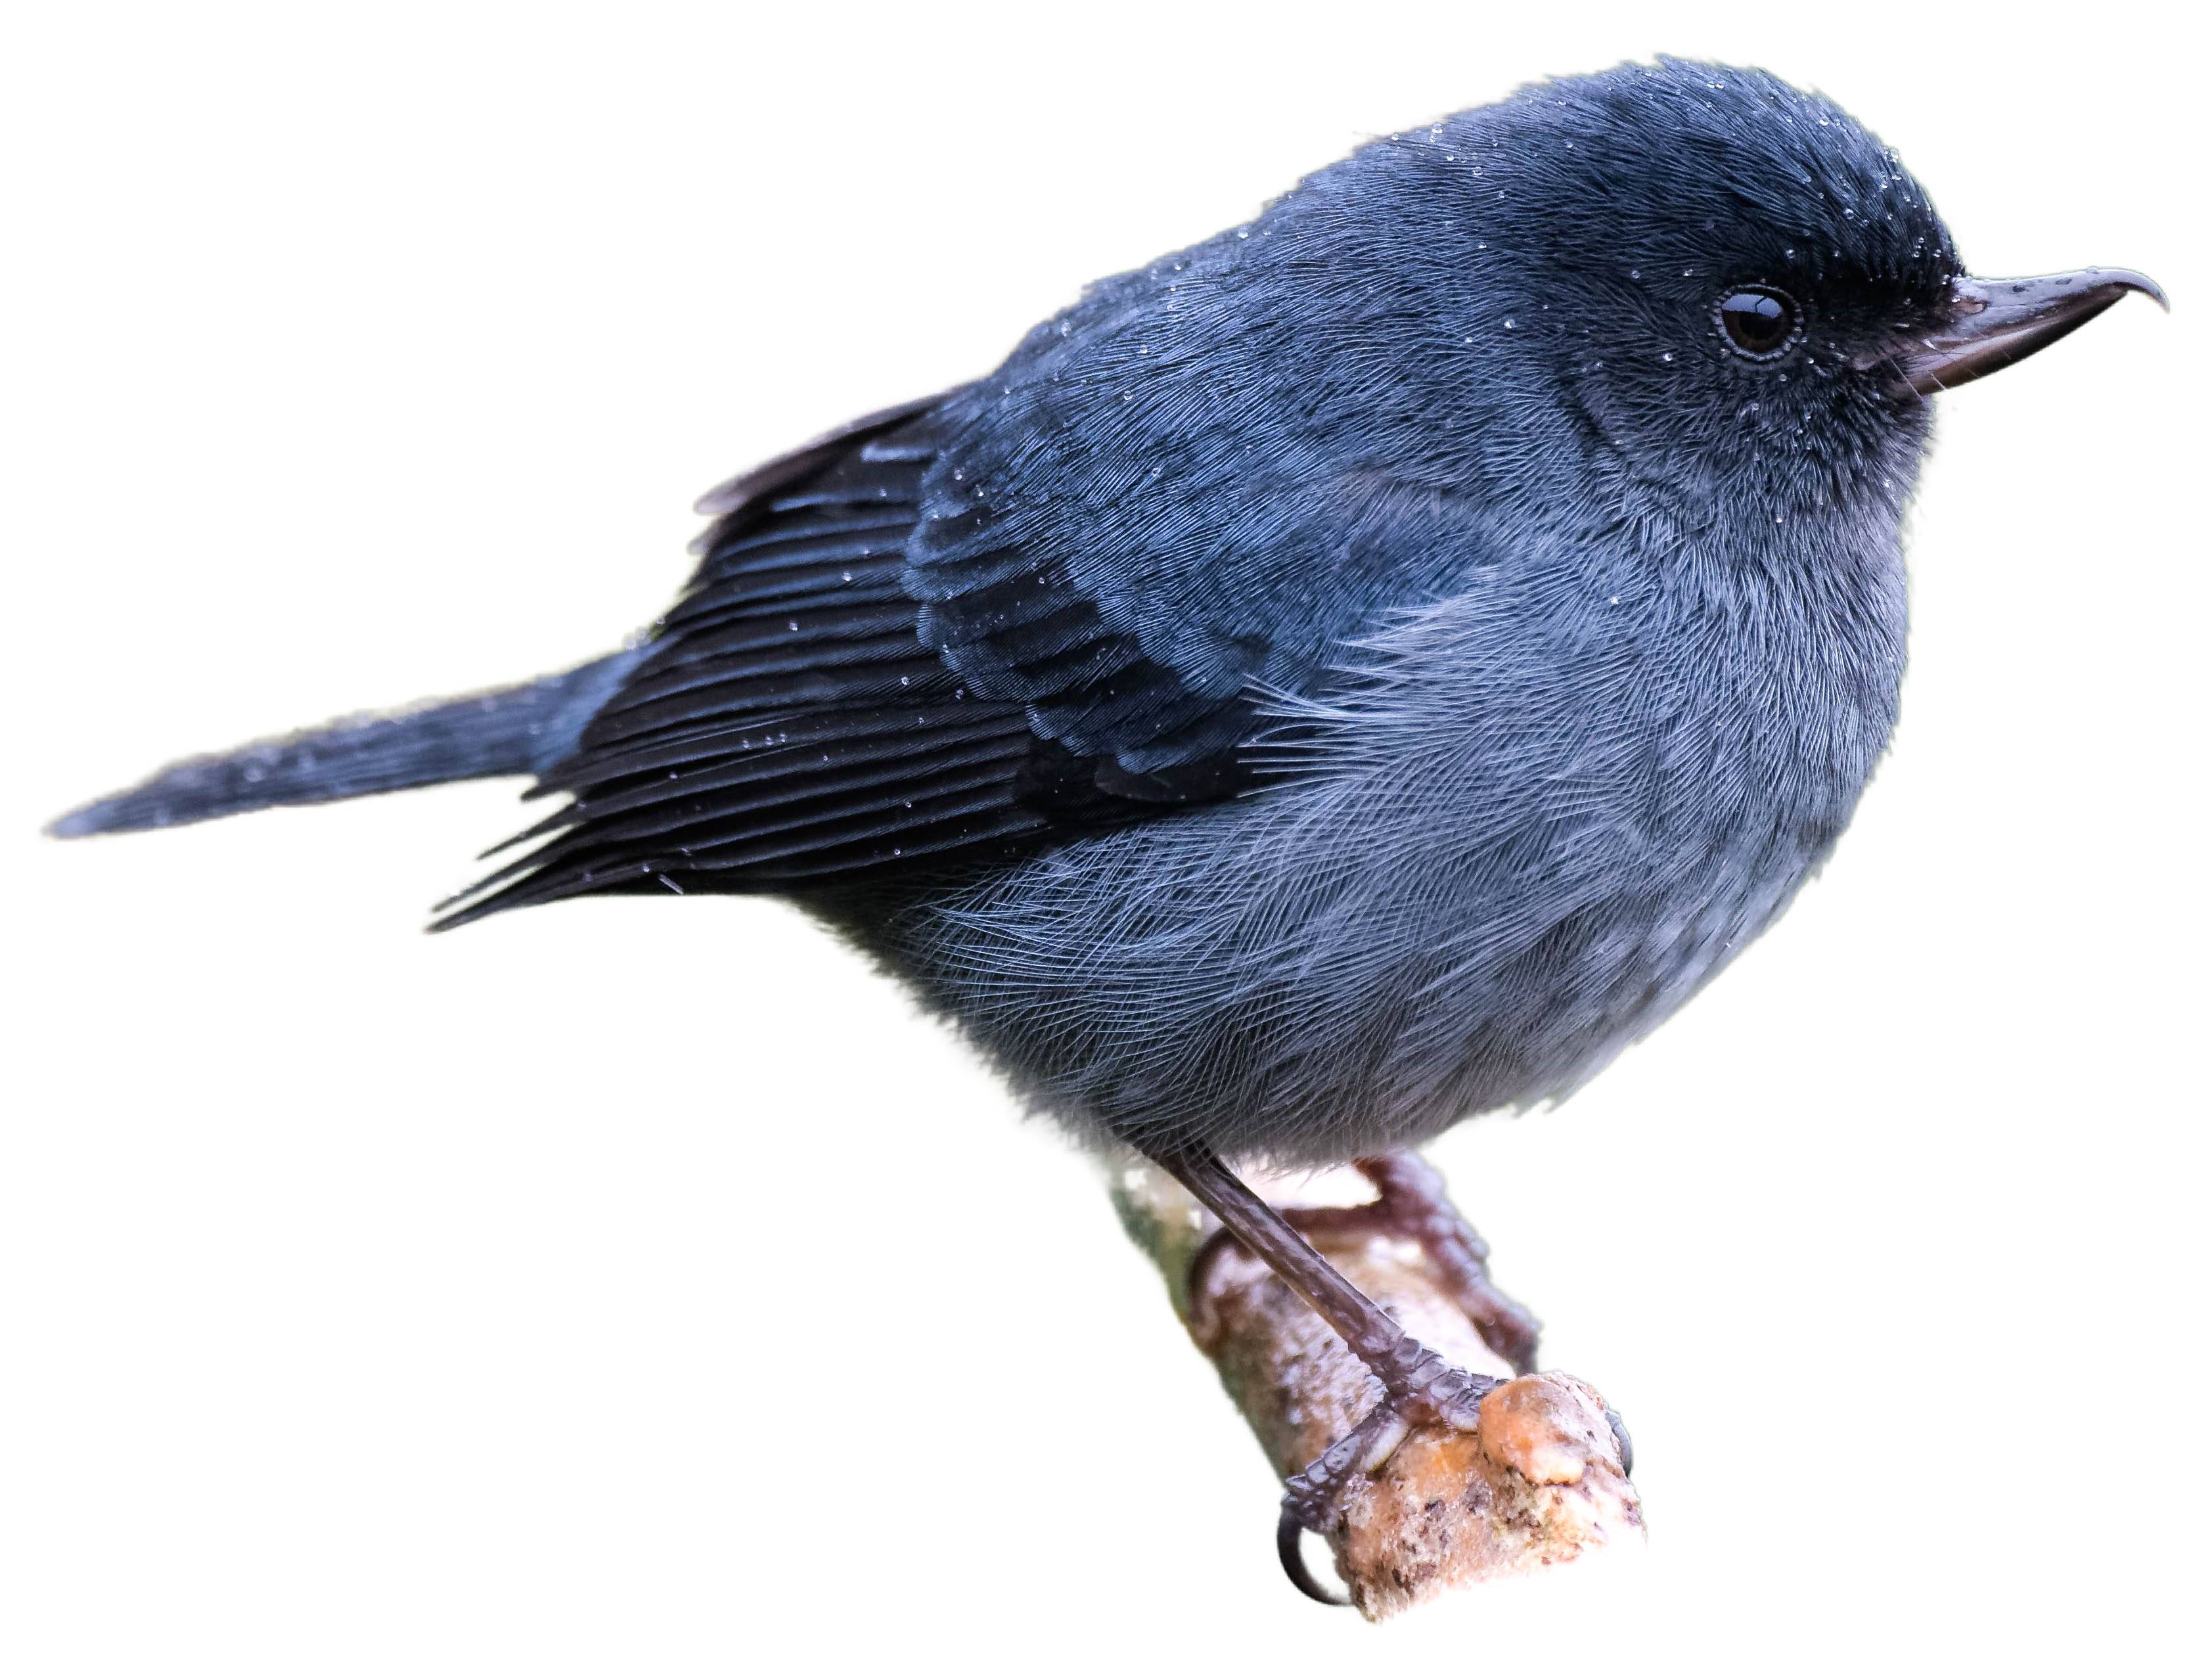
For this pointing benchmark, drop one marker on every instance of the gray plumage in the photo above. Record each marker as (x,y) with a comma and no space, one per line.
(1359,672)
(1537,817)
(516,728)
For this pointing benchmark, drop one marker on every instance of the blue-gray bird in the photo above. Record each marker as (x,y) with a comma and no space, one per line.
(1361,671)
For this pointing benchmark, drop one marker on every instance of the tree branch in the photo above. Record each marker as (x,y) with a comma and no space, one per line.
(1539,1483)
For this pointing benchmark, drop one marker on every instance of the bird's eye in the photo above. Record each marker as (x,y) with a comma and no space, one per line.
(1758,322)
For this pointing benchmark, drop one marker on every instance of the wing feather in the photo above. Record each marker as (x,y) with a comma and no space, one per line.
(788,724)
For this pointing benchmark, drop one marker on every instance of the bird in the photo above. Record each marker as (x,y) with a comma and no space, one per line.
(1362,671)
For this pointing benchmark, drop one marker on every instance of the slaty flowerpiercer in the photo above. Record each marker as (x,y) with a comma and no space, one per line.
(1359,672)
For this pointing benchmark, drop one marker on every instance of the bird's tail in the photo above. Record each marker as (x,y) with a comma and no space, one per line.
(518,729)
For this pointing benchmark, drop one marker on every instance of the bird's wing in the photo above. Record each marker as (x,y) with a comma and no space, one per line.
(1180,490)
(1037,607)
(785,724)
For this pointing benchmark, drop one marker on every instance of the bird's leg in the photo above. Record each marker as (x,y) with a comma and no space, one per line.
(1418,1384)
(1411,1203)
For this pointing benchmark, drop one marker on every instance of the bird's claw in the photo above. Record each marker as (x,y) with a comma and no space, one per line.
(1425,1388)
(1291,1532)
(1620,1439)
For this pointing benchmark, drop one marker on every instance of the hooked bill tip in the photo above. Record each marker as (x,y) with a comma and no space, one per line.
(2123,277)
(1990,323)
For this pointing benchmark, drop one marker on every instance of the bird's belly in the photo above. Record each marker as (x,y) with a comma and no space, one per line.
(1550,820)
(1210,975)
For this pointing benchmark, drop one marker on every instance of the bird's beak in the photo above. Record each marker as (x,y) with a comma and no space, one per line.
(1987,324)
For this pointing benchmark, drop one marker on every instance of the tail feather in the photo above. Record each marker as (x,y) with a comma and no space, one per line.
(520,729)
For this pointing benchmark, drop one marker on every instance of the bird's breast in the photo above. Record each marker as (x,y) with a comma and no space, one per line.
(1539,815)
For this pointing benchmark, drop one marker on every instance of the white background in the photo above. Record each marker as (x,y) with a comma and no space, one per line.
(642,1278)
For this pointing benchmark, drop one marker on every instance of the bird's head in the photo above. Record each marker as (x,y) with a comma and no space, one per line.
(1726,293)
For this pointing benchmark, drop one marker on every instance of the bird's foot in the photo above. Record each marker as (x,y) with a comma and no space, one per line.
(1410,1203)
(1419,1388)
